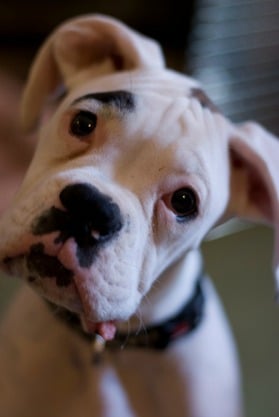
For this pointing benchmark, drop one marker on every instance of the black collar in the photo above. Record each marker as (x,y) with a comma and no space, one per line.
(151,337)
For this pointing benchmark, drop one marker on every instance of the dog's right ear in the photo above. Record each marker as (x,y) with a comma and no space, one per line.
(255,179)
(77,45)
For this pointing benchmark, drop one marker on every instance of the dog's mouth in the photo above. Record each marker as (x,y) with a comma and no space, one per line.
(85,328)
(73,255)
(54,275)
(105,329)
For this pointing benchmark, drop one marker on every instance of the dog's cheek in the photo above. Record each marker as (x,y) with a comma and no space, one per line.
(108,293)
(108,288)
(168,234)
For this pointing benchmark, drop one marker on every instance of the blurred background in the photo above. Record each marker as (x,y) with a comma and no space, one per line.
(232,46)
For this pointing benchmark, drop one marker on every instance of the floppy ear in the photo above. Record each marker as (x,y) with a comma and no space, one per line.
(77,45)
(255,179)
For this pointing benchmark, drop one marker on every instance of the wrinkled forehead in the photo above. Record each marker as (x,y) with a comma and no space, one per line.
(165,83)
(164,104)
(139,90)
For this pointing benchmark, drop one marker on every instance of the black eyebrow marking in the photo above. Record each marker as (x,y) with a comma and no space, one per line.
(121,99)
(204,100)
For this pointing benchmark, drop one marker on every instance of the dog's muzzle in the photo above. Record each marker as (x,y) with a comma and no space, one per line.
(64,243)
(89,217)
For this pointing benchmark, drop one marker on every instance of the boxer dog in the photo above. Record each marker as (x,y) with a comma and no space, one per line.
(134,165)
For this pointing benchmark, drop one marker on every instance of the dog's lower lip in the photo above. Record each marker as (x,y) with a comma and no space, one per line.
(106,329)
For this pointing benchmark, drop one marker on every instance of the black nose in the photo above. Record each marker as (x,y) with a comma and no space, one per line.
(94,211)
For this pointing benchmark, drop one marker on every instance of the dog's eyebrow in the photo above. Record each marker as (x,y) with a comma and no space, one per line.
(204,100)
(121,99)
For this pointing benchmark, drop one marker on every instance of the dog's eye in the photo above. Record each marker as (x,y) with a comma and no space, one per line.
(184,203)
(83,123)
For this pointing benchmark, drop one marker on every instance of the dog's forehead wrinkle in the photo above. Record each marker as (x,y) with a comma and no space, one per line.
(204,100)
(165,83)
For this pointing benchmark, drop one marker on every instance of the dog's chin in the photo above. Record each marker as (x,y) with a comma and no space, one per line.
(70,307)
(77,320)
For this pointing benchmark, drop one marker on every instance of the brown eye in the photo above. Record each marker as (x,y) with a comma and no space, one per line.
(83,123)
(184,203)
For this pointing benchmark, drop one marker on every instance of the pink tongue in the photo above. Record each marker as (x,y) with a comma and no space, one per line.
(106,329)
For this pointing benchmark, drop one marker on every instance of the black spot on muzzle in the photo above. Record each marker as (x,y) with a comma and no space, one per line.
(90,217)
(47,266)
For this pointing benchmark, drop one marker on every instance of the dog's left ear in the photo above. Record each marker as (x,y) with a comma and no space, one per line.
(92,42)
(255,178)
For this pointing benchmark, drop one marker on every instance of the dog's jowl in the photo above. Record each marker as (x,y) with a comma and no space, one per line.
(134,165)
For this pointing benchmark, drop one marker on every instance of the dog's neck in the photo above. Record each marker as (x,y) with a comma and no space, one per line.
(172,290)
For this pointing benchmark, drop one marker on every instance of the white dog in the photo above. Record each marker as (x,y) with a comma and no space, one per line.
(133,167)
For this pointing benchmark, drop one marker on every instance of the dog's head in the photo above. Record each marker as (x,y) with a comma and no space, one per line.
(133,167)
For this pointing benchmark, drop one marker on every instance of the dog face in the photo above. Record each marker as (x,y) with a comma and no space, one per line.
(121,185)
(132,169)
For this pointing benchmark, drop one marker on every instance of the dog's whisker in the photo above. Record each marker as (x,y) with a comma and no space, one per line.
(141,323)
(123,345)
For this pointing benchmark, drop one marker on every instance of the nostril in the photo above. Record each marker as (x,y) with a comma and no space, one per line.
(96,214)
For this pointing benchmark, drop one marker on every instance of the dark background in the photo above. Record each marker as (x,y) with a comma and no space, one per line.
(24,25)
